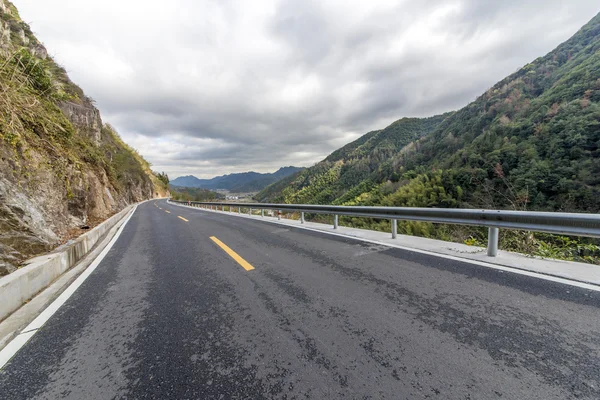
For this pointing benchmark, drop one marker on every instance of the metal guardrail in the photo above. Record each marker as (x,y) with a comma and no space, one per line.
(577,224)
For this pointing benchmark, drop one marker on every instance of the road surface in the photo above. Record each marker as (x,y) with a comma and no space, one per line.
(172,314)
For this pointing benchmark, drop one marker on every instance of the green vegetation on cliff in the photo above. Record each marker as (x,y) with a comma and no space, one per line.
(41,108)
(531,142)
(60,166)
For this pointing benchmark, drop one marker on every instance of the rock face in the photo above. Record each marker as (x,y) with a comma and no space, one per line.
(40,207)
(86,117)
(60,166)
(23,229)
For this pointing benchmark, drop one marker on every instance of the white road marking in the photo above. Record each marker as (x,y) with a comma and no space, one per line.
(19,341)
(564,281)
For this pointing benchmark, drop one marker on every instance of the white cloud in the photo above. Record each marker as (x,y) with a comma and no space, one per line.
(219,86)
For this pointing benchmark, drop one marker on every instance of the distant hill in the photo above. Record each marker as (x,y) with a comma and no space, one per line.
(239,183)
(194,194)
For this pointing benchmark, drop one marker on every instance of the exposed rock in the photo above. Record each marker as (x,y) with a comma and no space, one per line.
(85,117)
(6,269)
(4,34)
(23,228)
(23,37)
(39,51)
(37,211)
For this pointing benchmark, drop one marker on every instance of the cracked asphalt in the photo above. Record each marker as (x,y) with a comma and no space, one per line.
(169,315)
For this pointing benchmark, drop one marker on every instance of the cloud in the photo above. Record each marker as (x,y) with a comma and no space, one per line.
(218,86)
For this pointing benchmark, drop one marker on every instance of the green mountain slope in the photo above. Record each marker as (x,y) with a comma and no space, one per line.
(60,167)
(532,141)
(354,167)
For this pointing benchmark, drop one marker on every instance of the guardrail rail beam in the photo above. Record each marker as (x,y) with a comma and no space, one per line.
(558,223)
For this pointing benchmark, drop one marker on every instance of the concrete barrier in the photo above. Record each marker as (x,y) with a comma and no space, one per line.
(39,272)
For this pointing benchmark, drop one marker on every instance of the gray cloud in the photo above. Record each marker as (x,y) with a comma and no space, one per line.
(212,87)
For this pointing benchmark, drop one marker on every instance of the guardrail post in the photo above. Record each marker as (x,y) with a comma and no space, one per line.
(278,214)
(262,212)
(250,212)
(302,217)
(394,228)
(239,210)
(492,250)
(335,221)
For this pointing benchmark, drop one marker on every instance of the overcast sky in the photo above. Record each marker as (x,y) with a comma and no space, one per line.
(208,87)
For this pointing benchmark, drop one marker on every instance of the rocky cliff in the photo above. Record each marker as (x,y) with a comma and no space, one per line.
(62,169)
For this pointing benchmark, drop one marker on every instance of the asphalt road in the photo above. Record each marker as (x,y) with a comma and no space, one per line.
(168,314)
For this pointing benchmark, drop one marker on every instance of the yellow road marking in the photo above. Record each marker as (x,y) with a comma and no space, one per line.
(233,254)
(180,217)
(167,211)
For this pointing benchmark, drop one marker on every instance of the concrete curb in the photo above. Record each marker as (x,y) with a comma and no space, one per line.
(22,285)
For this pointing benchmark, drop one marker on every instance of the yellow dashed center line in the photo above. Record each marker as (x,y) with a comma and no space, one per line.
(180,217)
(245,264)
(167,211)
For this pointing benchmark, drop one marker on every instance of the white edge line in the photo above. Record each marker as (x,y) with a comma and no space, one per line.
(7,353)
(519,271)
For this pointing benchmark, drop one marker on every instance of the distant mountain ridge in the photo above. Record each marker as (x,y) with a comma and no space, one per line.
(238,182)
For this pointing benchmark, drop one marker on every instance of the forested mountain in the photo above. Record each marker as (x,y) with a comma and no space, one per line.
(238,183)
(61,167)
(532,141)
